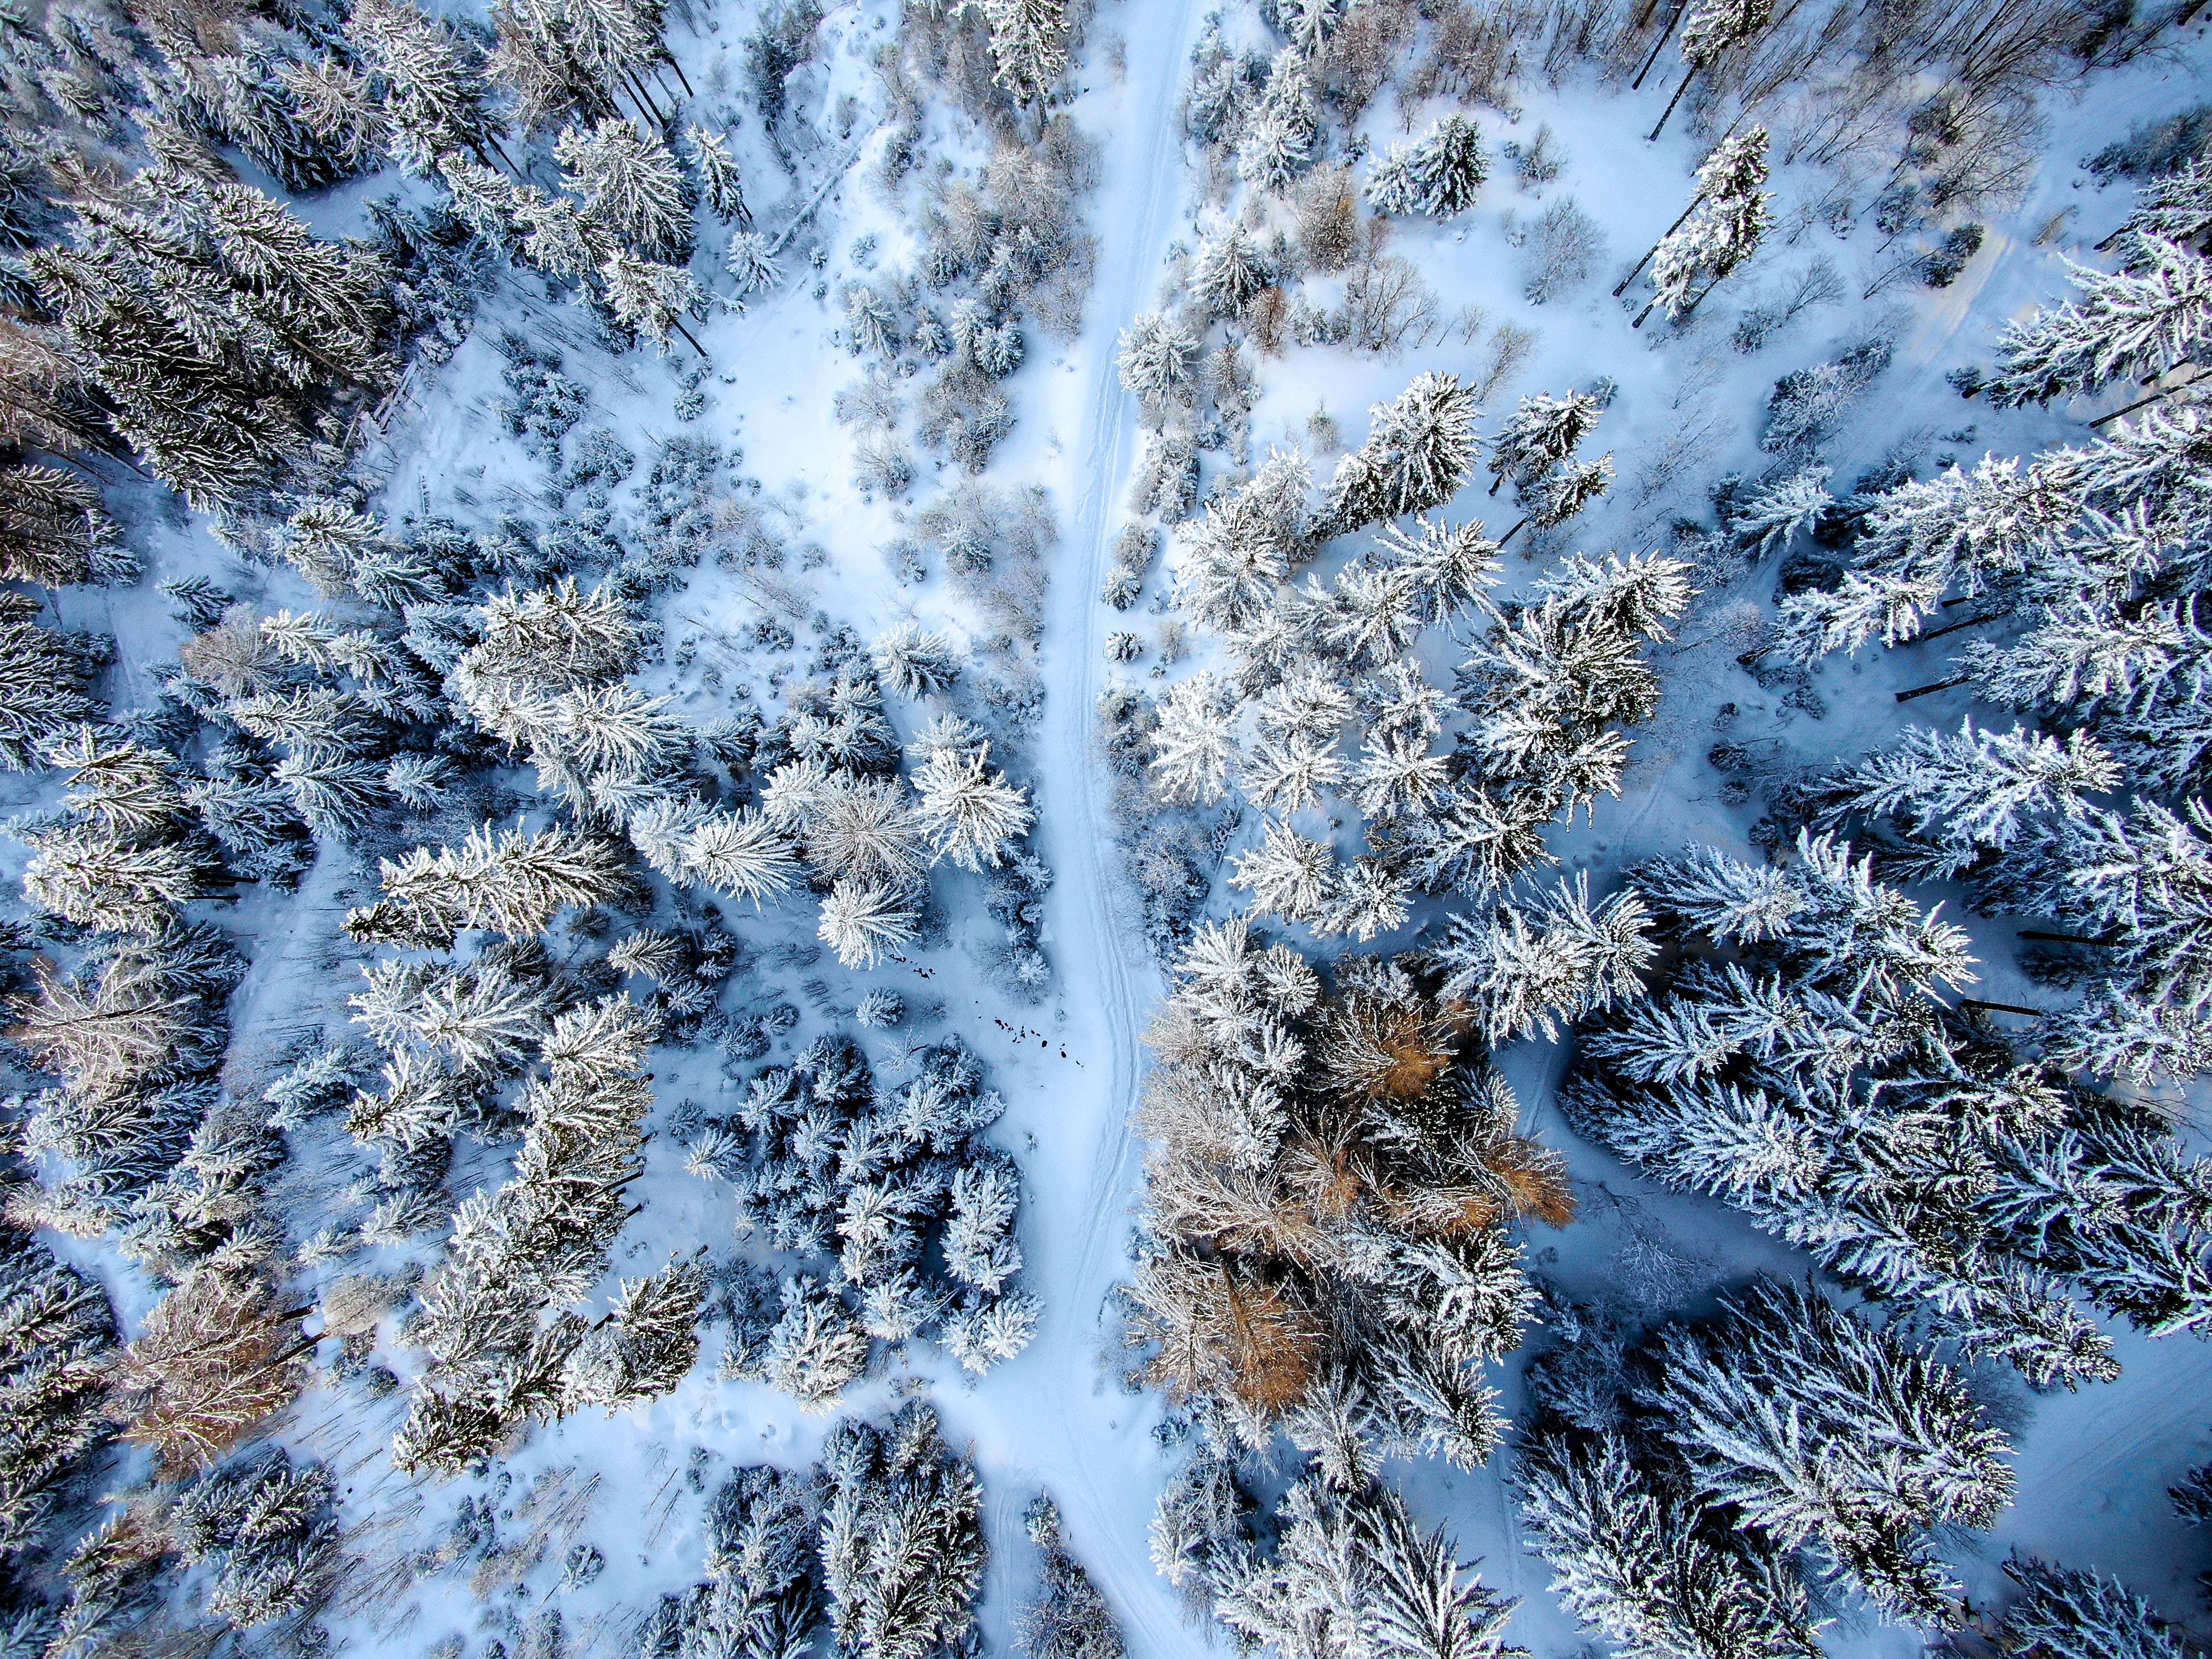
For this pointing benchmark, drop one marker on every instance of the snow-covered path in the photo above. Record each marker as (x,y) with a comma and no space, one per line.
(1055,1418)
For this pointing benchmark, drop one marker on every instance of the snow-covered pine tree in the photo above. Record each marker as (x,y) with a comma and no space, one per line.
(1419,452)
(915,662)
(1440,175)
(1158,360)
(56,1333)
(631,186)
(2071,1613)
(863,920)
(647,1343)
(1542,432)
(2139,322)
(546,67)
(434,101)
(1635,1554)
(1230,566)
(1740,1074)
(1277,141)
(1028,45)
(203,308)
(901,1541)
(270,1532)
(494,1324)
(1955,800)
(128,858)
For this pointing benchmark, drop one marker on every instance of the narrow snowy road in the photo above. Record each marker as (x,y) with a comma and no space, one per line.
(1057,1417)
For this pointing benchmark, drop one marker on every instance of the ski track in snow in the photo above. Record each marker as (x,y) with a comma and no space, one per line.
(1089,1446)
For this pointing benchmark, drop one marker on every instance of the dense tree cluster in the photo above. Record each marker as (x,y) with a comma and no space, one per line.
(882,1541)
(1799,1063)
(1699,1488)
(1333,1183)
(909,1209)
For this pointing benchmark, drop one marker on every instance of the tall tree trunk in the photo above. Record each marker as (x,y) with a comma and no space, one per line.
(2162,392)
(1923,690)
(1952,628)
(1658,46)
(1689,76)
(1655,247)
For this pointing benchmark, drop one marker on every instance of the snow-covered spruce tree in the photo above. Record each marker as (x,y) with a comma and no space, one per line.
(1277,141)
(1420,450)
(826,1165)
(1815,1081)
(1538,966)
(46,678)
(134,1034)
(1158,360)
(900,1543)
(1542,432)
(56,1335)
(1721,230)
(1332,1184)
(54,531)
(1835,1438)
(269,1533)
(513,883)
(215,323)
(2142,321)
(496,1326)
(1713,28)
(1028,45)
(631,187)
(1440,175)
(1351,1572)
(434,99)
(2071,1613)
(1229,566)
(1230,272)
(130,853)
(1069,1619)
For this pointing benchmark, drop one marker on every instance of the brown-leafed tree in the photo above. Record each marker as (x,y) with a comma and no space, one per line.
(215,1358)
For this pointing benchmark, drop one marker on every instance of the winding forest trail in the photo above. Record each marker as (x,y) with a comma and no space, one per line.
(1064,1424)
